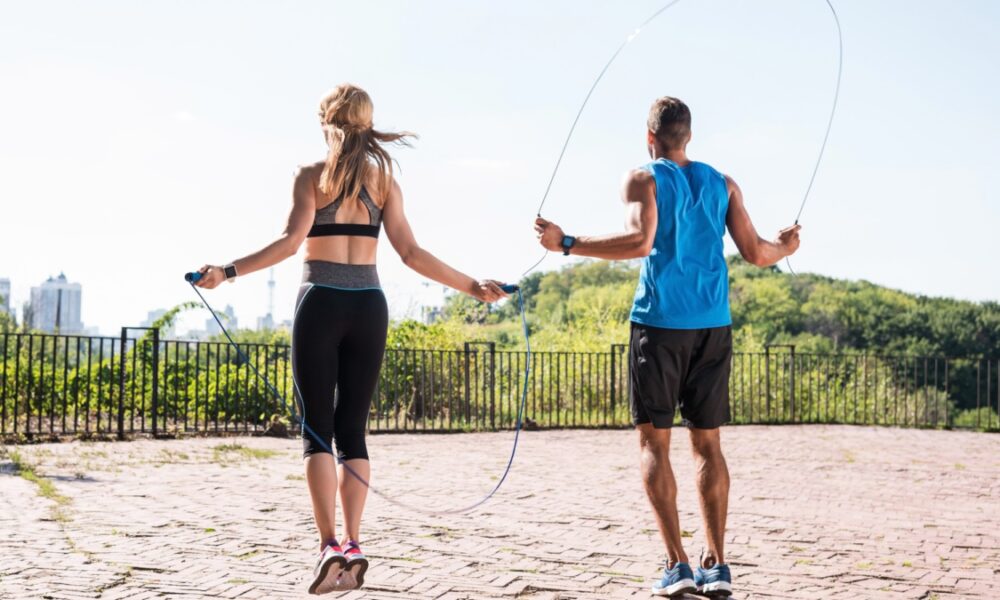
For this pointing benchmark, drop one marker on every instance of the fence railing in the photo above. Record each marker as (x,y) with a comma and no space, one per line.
(53,385)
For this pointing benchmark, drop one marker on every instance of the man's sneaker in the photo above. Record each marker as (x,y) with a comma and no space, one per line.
(329,566)
(676,580)
(715,582)
(357,563)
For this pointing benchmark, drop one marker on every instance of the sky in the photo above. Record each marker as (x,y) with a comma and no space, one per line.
(140,140)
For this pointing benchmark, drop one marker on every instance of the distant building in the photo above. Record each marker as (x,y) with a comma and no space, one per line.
(228,317)
(152,316)
(55,306)
(5,295)
(265,323)
(430,314)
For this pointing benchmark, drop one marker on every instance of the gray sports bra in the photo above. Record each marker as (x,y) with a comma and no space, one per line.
(325,221)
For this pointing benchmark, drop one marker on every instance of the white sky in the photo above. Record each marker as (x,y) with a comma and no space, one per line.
(140,140)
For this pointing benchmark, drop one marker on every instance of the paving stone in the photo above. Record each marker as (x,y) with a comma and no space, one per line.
(815,512)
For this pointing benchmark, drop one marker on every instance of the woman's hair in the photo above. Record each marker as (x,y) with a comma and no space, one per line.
(346,115)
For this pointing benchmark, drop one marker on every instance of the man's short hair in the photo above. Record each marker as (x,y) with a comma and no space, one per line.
(670,121)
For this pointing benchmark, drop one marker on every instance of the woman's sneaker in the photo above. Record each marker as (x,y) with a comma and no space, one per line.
(357,564)
(677,580)
(715,582)
(329,566)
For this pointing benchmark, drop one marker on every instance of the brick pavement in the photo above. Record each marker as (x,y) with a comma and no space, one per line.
(816,512)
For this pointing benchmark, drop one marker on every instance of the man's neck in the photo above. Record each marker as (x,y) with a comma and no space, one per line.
(675,156)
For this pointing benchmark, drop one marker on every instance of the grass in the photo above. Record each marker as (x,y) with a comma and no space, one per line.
(622,575)
(238,581)
(686,534)
(863,566)
(409,559)
(44,487)
(295,477)
(223,451)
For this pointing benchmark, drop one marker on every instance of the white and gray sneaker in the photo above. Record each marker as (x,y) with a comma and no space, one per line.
(329,566)
(357,564)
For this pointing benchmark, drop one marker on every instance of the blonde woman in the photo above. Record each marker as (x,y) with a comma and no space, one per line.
(338,338)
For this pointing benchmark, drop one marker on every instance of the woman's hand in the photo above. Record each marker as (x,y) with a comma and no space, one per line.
(211,276)
(487,290)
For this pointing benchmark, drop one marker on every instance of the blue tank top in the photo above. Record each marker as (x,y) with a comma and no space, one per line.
(684,282)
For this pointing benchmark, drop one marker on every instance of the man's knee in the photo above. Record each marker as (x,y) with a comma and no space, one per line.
(653,440)
(706,443)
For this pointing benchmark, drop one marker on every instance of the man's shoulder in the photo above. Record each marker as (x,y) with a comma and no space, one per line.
(707,169)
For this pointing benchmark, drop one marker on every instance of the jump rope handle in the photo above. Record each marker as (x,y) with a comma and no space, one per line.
(509,288)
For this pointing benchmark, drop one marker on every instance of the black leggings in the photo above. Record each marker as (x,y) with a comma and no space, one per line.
(338,340)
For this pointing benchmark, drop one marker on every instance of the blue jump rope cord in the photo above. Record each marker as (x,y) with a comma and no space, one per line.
(305,426)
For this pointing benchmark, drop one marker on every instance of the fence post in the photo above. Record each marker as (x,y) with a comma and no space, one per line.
(156,378)
(767,382)
(468,397)
(615,350)
(791,396)
(121,384)
(493,349)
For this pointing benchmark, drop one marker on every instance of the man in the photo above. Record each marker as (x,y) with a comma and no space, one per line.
(680,349)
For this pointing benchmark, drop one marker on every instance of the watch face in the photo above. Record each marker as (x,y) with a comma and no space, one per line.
(568,241)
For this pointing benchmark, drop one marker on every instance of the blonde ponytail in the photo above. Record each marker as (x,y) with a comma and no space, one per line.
(346,115)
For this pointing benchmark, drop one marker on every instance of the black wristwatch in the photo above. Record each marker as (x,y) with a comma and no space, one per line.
(567,243)
(230,272)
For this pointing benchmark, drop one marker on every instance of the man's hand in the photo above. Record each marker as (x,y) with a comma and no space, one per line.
(550,235)
(788,239)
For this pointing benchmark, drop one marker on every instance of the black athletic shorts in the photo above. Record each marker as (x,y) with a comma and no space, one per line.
(686,368)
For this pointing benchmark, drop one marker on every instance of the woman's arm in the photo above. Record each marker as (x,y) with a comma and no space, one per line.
(397,228)
(300,220)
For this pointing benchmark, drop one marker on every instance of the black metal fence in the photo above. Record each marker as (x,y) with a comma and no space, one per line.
(52,385)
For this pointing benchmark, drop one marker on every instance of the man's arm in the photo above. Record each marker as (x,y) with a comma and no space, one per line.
(755,249)
(639,196)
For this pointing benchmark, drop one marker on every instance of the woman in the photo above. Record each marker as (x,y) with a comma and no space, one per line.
(339,332)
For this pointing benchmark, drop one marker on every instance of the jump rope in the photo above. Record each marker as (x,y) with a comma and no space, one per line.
(193,277)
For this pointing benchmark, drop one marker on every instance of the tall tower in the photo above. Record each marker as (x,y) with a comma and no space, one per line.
(270,294)
(267,321)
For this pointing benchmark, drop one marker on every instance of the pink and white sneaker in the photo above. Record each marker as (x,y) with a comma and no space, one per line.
(357,564)
(329,567)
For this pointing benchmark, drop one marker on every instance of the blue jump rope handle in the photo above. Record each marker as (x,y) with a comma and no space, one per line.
(509,288)
(192,277)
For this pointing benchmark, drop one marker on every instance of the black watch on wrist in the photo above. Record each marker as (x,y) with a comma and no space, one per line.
(230,272)
(567,243)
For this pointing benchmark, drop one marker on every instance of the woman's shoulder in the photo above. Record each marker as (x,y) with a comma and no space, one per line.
(312,170)
(379,187)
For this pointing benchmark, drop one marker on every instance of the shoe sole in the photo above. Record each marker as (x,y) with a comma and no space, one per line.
(362,565)
(324,571)
(684,586)
(718,589)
